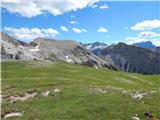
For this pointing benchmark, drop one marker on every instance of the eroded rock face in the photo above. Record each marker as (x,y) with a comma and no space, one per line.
(50,49)
(13,49)
(133,59)
(69,51)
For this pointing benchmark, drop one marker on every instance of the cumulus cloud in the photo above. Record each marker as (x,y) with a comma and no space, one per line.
(156,41)
(77,30)
(105,6)
(147,34)
(31,8)
(131,40)
(147,25)
(95,6)
(72,16)
(31,33)
(63,28)
(102,29)
(84,30)
(73,22)
(144,36)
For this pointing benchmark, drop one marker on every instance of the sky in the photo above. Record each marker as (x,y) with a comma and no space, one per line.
(86,21)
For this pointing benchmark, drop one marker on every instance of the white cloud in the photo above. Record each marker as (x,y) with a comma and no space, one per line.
(147,25)
(77,30)
(84,30)
(31,33)
(131,40)
(63,28)
(147,34)
(31,8)
(102,29)
(95,6)
(72,16)
(73,22)
(105,6)
(156,41)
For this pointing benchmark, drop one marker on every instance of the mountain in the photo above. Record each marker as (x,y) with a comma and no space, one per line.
(11,48)
(147,44)
(130,58)
(50,49)
(69,51)
(95,47)
(156,49)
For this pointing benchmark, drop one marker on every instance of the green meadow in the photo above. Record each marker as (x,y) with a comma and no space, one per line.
(84,93)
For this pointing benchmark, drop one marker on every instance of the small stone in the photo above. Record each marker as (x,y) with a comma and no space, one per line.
(16,114)
(56,90)
(135,118)
(46,93)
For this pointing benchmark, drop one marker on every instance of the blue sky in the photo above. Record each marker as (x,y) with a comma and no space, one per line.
(102,21)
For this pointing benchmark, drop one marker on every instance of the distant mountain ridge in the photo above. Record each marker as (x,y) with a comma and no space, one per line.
(146,44)
(95,47)
(50,49)
(140,58)
(128,58)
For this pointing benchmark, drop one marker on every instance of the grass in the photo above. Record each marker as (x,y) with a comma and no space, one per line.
(80,98)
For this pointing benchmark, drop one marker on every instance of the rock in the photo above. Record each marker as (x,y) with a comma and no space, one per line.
(22,98)
(14,114)
(135,118)
(46,93)
(138,95)
(149,114)
(13,49)
(57,90)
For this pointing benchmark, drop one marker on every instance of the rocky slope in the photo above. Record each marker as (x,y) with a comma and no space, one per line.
(69,51)
(130,58)
(49,49)
(13,49)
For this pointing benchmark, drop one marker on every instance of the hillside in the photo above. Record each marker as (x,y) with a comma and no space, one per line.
(50,49)
(130,58)
(47,91)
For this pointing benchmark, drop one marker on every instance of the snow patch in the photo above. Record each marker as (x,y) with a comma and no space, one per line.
(35,49)
(88,47)
(68,59)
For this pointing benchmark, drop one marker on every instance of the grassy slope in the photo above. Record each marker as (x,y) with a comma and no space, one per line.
(75,102)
